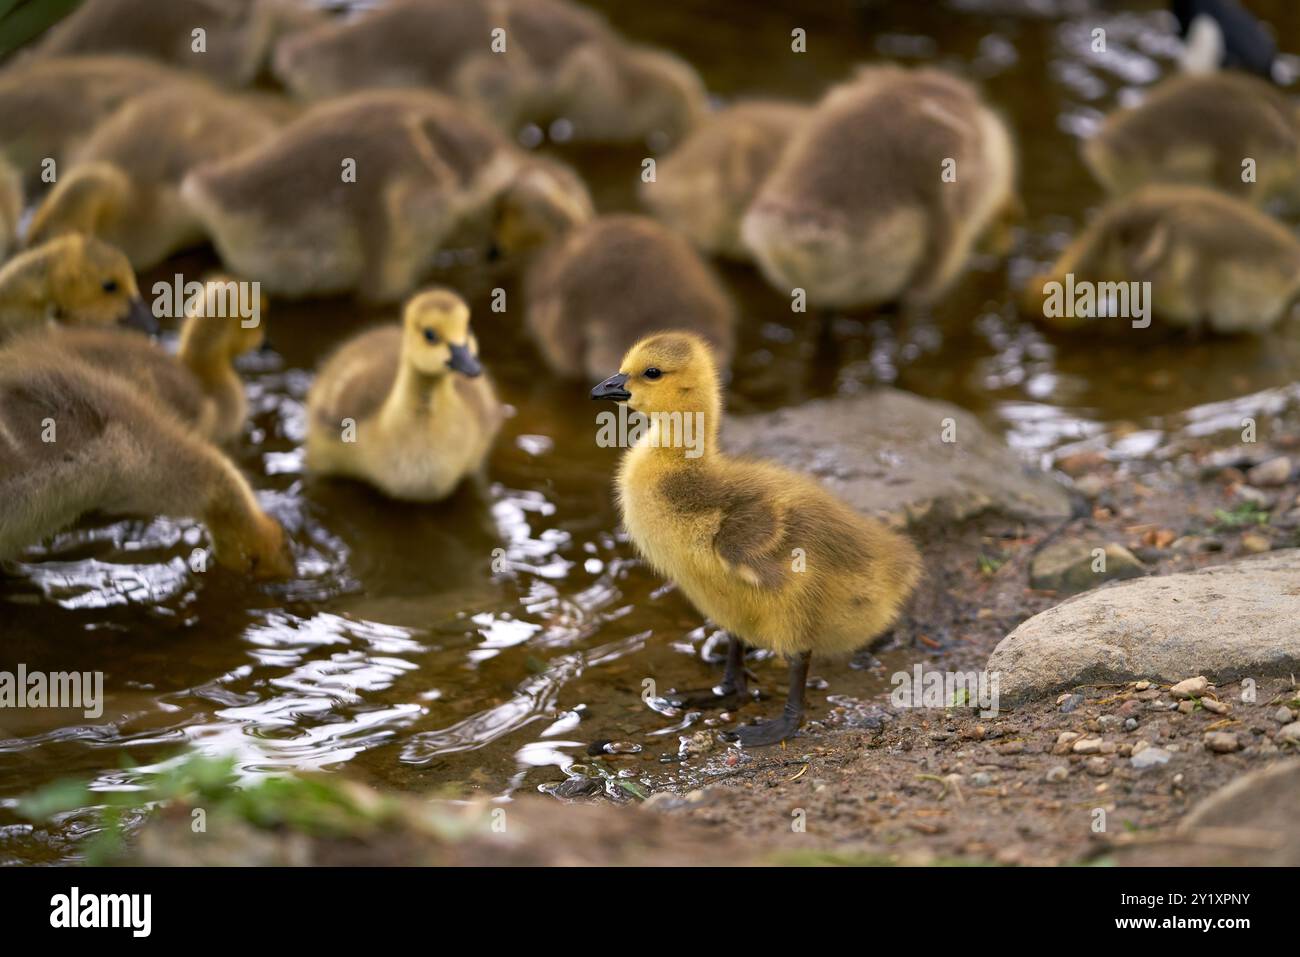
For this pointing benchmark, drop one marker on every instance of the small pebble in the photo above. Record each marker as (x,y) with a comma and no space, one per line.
(1256,542)
(1186,707)
(1130,724)
(1068,703)
(1064,741)
(1149,757)
(1057,774)
(1087,746)
(1191,687)
(1274,472)
(1284,715)
(1098,767)
(1290,734)
(1213,706)
(981,779)
(1222,742)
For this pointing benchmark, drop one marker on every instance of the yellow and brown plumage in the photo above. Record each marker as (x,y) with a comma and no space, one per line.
(767,554)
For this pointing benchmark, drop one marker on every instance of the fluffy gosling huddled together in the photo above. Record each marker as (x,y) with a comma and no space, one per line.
(288,211)
(513,62)
(122,183)
(767,554)
(1188,171)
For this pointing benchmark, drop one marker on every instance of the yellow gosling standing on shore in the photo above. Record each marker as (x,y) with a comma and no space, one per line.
(881,195)
(406,408)
(767,554)
(75,439)
(123,183)
(1212,261)
(610,282)
(73,280)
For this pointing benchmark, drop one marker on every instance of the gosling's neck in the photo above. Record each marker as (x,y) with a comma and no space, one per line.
(219,381)
(25,298)
(416,394)
(680,440)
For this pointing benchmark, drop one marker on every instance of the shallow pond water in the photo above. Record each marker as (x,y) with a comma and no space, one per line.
(482,644)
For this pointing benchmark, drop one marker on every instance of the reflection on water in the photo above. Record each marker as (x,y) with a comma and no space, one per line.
(485,643)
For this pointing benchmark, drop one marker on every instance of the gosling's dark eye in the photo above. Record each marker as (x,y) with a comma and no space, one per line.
(430,336)
(109,285)
(652,373)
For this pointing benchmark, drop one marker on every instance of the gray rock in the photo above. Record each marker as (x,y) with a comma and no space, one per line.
(1057,773)
(1284,715)
(883,452)
(1290,734)
(1067,567)
(1271,473)
(1222,742)
(1231,621)
(1149,757)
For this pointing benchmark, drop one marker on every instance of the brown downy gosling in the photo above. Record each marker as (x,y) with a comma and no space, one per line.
(1211,260)
(406,408)
(362,192)
(199,384)
(48,105)
(703,187)
(882,193)
(123,183)
(75,439)
(559,60)
(611,282)
(729,532)
(1228,130)
(73,280)
(237,39)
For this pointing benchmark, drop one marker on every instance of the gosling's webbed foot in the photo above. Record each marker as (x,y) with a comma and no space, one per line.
(764,732)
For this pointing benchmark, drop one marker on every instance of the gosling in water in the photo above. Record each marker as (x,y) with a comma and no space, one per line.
(75,439)
(406,408)
(728,530)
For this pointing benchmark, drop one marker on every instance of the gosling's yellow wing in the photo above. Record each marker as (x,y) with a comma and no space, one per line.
(751,537)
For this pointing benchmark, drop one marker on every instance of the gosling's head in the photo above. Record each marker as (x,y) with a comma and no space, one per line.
(91,199)
(257,548)
(437,337)
(545,200)
(78,280)
(666,372)
(221,324)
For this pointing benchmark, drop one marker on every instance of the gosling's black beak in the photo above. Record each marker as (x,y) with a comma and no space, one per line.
(464,362)
(612,388)
(493,252)
(141,317)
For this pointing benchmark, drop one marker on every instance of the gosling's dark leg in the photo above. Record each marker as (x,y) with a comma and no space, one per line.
(733,689)
(777,730)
